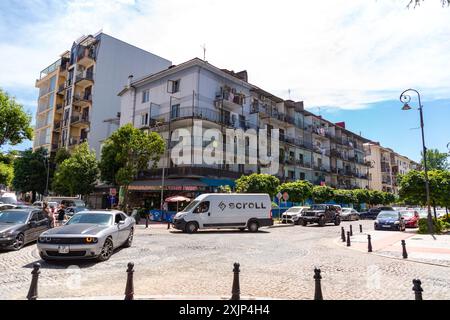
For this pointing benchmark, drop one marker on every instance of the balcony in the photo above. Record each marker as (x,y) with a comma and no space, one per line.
(57,126)
(82,100)
(79,120)
(86,56)
(59,108)
(230,98)
(44,91)
(84,79)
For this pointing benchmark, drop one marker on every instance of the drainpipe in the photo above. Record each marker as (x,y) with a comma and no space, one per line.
(129,86)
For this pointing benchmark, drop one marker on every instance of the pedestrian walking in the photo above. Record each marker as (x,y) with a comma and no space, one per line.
(48,214)
(61,213)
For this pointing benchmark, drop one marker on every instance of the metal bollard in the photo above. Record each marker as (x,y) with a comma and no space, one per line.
(33,291)
(168,225)
(369,243)
(417,288)
(342,234)
(318,288)
(236,291)
(404,253)
(129,289)
(351,230)
(360,228)
(348,238)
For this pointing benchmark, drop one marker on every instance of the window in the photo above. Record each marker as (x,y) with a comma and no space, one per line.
(144,119)
(302,176)
(118,218)
(202,207)
(175,111)
(145,96)
(173,86)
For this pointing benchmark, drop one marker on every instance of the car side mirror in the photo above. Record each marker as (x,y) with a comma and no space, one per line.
(121,222)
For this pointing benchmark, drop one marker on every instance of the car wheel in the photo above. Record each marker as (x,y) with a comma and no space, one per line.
(304,223)
(253,226)
(107,250)
(321,221)
(129,241)
(337,221)
(297,222)
(191,227)
(19,242)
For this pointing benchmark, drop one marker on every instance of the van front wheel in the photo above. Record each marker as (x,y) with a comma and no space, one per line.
(191,227)
(253,226)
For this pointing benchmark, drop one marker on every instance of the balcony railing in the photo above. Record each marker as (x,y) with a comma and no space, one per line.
(87,75)
(79,119)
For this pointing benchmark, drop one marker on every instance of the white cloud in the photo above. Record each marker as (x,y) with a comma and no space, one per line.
(336,53)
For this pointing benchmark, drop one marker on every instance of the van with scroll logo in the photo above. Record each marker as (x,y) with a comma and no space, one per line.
(226,211)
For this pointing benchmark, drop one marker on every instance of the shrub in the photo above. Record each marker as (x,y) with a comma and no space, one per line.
(439,226)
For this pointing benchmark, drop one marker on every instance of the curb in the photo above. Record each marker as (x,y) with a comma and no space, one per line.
(282,225)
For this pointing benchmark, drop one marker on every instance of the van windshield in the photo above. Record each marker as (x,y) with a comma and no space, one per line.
(190,206)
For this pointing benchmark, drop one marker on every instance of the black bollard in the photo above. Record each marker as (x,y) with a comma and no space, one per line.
(369,243)
(318,288)
(146,221)
(417,288)
(129,289)
(236,291)
(348,238)
(168,225)
(342,234)
(360,228)
(33,291)
(404,253)
(351,230)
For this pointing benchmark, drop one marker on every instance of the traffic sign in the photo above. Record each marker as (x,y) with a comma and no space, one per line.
(279,195)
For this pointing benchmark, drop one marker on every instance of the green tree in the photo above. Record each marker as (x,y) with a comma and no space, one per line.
(376,197)
(361,195)
(77,175)
(298,191)
(436,160)
(389,198)
(344,196)
(30,173)
(14,121)
(6,174)
(321,194)
(126,152)
(258,183)
(61,155)
(224,189)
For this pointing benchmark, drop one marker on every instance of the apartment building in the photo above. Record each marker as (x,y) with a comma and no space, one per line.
(385,166)
(310,147)
(78,92)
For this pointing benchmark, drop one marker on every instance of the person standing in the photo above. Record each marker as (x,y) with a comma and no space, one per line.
(61,213)
(48,214)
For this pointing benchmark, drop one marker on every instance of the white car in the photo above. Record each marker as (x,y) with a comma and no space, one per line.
(293,214)
(349,214)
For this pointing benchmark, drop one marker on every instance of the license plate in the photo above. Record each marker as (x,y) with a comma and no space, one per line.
(63,249)
(386,226)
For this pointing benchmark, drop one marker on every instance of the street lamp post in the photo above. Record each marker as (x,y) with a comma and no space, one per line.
(47,164)
(405,99)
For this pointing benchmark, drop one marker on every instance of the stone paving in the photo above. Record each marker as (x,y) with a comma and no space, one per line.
(275,263)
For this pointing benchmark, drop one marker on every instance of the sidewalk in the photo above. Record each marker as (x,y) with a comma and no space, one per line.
(420,247)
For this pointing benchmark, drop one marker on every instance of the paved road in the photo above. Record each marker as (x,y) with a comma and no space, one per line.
(275,262)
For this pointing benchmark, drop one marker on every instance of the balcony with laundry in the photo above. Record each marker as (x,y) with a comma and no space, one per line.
(230,98)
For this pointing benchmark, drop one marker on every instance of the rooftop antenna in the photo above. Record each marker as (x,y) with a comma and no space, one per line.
(204,51)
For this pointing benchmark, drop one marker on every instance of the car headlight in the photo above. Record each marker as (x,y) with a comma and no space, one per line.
(90,240)
(376,221)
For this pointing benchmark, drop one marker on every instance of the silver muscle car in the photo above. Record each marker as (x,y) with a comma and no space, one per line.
(88,234)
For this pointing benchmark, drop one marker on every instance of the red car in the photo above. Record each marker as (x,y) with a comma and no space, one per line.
(411,218)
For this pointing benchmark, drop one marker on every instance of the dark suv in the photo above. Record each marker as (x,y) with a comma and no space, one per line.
(321,214)
(373,212)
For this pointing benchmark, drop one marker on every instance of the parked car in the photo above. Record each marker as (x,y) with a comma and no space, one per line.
(292,215)
(373,212)
(349,214)
(389,220)
(88,235)
(411,218)
(4,206)
(225,211)
(321,214)
(8,198)
(21,226)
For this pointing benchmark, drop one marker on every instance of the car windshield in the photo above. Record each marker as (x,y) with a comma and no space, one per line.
(294,209)
(190,206)
(388,215)
(13,216)
(79,203)
(318,207)
(407,213)
(93,218)
(8,200)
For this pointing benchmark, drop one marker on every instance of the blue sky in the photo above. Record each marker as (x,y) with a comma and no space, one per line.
(351,58)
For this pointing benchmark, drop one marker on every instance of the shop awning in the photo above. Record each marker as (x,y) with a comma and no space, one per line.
(169,184)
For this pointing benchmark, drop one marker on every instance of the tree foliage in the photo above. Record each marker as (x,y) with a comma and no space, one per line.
(298,191)
(436,160)
(14,121)
(61,155)
(126,152)
(344,196)
(6,174)
(30,172)
(224,189)
(258,183)
(321,194)
(77,175)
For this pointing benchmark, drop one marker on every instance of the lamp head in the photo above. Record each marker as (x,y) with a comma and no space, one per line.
(406,107)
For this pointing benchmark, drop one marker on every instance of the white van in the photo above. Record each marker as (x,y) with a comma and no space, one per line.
(226,210)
